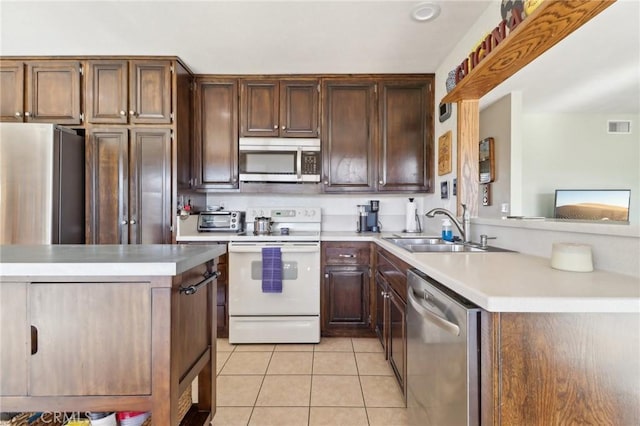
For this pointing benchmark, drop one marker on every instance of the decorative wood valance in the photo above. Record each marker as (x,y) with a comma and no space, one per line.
(551,22)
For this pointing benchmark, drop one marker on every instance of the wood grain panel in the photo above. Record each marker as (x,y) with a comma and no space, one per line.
(468,156)
(76,323)
(299,108)
(348,253)
(570,369)
(150,92)
(551,22)
(259,100)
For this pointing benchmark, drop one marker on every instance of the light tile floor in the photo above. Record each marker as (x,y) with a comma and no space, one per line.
(338,382)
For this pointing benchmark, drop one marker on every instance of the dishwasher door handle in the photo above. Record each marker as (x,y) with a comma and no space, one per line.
(432,317)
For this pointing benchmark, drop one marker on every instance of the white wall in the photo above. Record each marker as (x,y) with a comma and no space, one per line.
(574,151)
(495,122)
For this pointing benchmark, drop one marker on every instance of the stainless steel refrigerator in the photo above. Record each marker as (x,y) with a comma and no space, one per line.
(42,187)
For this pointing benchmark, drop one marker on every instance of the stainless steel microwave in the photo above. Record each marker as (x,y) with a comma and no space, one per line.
(294,160)
(221,221)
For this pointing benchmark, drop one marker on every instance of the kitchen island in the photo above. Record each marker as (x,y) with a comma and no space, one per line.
(108,328)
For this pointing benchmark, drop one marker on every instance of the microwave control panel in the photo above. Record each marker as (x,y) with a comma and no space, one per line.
(310,163)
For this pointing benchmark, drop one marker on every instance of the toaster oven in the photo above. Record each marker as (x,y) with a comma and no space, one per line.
(221,221)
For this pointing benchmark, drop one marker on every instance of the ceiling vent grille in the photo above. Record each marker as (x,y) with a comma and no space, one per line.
(619,126)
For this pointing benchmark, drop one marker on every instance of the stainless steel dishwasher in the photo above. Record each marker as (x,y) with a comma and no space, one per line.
(442,355)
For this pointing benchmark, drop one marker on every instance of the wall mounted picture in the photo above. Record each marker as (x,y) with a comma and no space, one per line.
(487,161)
(444,189)
(444,154)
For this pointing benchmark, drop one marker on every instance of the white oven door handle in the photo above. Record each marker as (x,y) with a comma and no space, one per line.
(284,249)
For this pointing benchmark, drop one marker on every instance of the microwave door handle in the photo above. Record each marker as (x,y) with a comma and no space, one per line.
(299,163)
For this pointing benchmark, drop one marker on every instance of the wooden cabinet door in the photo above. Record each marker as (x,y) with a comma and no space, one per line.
(85,333)
(108,186)
(12,93)
(348,142)
(381,312)
(150,186)
(346,296)
(16,341)
(150,92)
(53,92)
(299,108)
(259,100)
(107,92)
(216,134)
(397,341)
(406,136)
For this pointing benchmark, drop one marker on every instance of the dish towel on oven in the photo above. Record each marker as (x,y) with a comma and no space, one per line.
(271,270)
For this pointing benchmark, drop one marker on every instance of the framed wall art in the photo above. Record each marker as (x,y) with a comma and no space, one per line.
(444,154)
(487,161)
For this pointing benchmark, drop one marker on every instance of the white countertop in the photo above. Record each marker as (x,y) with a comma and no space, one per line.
(104,260)
(510,281)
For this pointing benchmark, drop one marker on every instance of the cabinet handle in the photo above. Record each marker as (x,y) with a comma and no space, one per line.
(124,222)
(34,340)
(18,114)
(326,275)
(27,114)
(132,222)
(132,113)
(326,182)
(284,127)
(346,255)
(275,126)
(193,289)
(123,113)
(380,182)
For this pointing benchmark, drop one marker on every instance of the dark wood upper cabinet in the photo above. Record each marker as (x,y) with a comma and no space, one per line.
(107,92)
(299,108)
(53,92)
(279,108)
(216,134)
(349,135)
(135,92)
(12,93)
(406,136)
(150,84)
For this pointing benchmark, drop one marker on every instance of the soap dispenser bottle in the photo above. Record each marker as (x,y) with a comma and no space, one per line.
(447,232)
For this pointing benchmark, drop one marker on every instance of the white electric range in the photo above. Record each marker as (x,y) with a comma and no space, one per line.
(257,316)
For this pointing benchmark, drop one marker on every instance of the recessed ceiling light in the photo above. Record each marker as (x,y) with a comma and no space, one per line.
(425,12)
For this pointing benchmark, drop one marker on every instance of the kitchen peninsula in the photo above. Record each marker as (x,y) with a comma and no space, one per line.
(108,327)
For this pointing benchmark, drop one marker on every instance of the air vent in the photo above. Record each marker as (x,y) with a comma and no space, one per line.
(619,126)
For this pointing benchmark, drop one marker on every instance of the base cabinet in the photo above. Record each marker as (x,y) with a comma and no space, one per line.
(346,290)
(391,312)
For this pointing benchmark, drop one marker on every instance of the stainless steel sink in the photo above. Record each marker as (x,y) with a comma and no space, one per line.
(437,245)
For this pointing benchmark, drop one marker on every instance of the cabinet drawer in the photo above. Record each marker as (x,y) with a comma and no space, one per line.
(394,271)
(346,254)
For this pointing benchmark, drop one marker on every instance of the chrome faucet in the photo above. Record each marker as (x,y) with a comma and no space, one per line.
(463,227)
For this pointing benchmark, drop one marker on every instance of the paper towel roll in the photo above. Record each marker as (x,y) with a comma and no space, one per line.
(571,257)
(410,217)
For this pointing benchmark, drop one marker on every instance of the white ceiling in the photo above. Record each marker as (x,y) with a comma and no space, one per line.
(315,36)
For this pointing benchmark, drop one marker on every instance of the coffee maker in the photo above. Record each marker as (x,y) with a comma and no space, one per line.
(368,217)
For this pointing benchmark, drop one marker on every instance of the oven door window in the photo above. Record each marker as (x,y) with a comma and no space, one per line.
(265,162)
(289,270)
(216,221)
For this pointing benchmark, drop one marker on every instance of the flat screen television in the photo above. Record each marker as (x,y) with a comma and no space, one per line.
(592,204)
